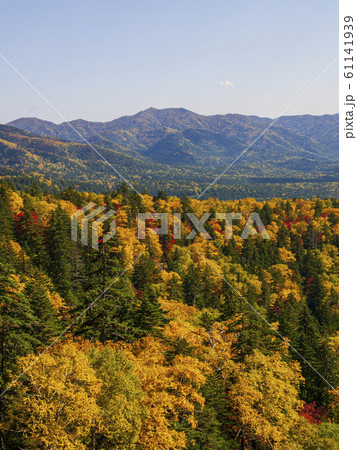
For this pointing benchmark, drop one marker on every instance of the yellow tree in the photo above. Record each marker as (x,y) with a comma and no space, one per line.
(263,396)
(77,396)
(55,404)
(121,411)
(171,394)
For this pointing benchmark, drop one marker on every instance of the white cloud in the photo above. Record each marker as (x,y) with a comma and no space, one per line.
(226,83)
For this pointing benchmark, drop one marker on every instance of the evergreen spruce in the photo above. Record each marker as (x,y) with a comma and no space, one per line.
(61,254)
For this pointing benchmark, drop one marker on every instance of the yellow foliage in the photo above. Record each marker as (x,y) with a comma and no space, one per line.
(18,252)
(286,255)
(16,202)
(282,282)
(264,396)
(77,393)
(129,245)
(56,406)
(171,391)
(67,206)
(45,209)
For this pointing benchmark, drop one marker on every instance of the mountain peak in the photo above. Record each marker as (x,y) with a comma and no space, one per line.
(155,127)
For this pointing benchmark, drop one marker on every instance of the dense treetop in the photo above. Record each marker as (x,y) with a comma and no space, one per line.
(175,353)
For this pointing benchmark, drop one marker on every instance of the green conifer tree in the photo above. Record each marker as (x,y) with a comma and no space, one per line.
(112,315)
(61,255)
(16,319)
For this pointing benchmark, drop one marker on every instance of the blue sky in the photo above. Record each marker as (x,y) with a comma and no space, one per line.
(101,60)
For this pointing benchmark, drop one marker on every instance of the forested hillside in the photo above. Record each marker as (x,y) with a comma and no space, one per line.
(164,343)
(220,135)
(178,151)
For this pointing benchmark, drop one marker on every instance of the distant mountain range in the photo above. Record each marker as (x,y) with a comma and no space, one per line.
(178,150)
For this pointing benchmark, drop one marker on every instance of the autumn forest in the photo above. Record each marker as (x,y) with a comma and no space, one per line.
(166,343)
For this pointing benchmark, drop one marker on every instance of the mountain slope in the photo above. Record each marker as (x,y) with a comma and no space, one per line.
(181,152)
(144,132)
(323,129)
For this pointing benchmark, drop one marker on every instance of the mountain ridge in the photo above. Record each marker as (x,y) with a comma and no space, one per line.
(178,109)
(175,118)
(155,146)
(147,128)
